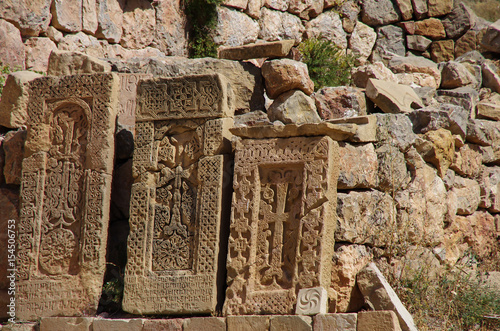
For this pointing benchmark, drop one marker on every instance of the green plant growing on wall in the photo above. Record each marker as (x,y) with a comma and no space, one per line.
(5,70)
(328,64)
(202,15)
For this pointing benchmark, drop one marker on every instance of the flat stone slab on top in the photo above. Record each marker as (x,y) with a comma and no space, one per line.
(275,49)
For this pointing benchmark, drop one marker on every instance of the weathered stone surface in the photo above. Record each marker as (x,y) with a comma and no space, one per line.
(335,322)
(417,43)
(392,172)
(466,43)
(204,323)
(279,165)
(299,323)
(450,117)
(489,108)
(467,162)
(458,21)
(21,327)
(65,17)
(337,132)
(490,189)
(167,162)
(420,8)
(396,129)
(62,63)
(275,25)
(138,23)
(378,320)
(406,9)
(415,64)
(361,75)
(13,147)
(439,7)
(327,26)
(68,157)
(438,148)
(14,101)
(427,94)
(239,4)
(135,324)
(349,11)
(9,200)
(348,260)
(37,53)
(474,233)
(491,77)
(465,97)
(127,99)
(362,41)
(54,34)
(14,54)
(66,323)
(281,5)
(254,118)
(358,166)
(89,16)
(174,324)
(391,97)
(31,17)
(455,74)
(431,27)
(311,301)
(390,42)
(467,192)
(339,102)
(420,207)
(472,57)
(245,78)
(294,107)
(489,154)
(83,43)
(284,75)
(247,323)
(382,12)
(442,50)
(170,30)
(491,38)
(256,51)
(306,9)
(110,18)
(253,8)
(377,212)
(377,290)
(234,28)
(365,127)
(483,132)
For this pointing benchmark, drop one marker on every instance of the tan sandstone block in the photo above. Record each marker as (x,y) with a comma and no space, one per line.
(296,323)
(256,51)
(117,324)
(247,323)
(174,324)
(335,322)
(65,195)
(14,101)
(70,63)
(127,99)
(66,323)
(283,210)
(205,324)
(378,321)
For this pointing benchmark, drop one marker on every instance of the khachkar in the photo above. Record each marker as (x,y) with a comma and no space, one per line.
(175,242)
(282,223)
(65,193)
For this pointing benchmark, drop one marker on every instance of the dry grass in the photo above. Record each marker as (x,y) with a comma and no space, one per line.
(487,9)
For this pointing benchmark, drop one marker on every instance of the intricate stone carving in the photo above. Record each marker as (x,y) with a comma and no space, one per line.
(176,203)
(282,223)
(65,192)
(312,301)
(127,98)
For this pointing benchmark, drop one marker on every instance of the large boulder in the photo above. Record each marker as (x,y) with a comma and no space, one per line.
(465,97)
(170,34)
(12,53)
(110,18)
(439,7)
(437,147)
(491,38)
(390,42)
(283,75)
(455,74)
(277,25)
(362,41)
(379,12)
(327,26)
(139,20)
(234,28)
(339,102)
(38,50)
(293,107)
(63,63)
(65,17)
(461,19)
(450,117)
(431,27)
(360,75)
(415,64)
(31,17)
(358,166)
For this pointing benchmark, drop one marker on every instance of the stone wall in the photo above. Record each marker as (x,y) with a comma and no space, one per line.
(144,28)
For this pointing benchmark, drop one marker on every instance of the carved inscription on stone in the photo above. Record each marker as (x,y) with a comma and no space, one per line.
(65,192)
(127,98)
(177,197)
(282,223)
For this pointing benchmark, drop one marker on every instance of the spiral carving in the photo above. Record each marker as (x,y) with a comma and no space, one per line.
(309,299)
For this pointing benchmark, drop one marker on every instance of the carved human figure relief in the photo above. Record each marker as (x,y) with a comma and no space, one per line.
(65,192)
(177,196)
(282,222)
